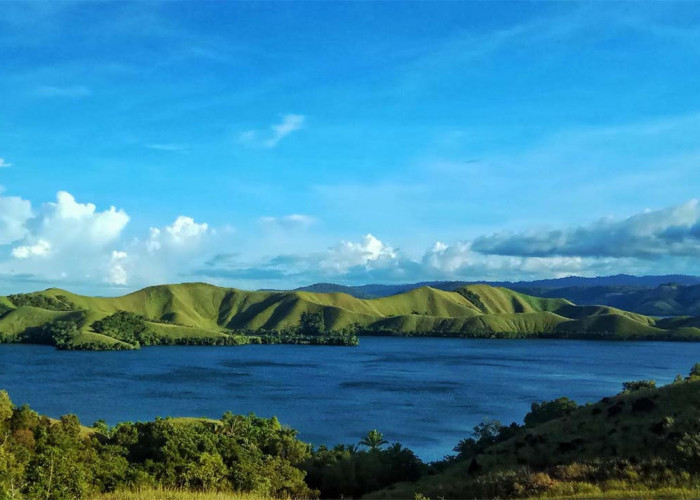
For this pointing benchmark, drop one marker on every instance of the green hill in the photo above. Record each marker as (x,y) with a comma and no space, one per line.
(199,313)
(641,443)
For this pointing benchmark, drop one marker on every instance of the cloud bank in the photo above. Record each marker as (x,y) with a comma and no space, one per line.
(67,242)
(673,231)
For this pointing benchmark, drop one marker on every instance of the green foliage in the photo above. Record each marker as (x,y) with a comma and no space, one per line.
(374,440)
(6,406)
(474,298)
(41,458)
(345,472)
(62,333)
(4,309)
(57,303)
(484,434)
(549,410)
(125,326)
(311,324)
(638,385)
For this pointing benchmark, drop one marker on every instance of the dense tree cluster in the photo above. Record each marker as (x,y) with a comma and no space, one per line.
(42,458)
(474,298)
(127,327)
(57,303)
(345,471)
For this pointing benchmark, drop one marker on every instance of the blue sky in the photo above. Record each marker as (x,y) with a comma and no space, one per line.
(279,144)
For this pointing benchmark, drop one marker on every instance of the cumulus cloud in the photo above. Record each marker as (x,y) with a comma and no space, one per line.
(344,260)
(42,248)
(4,163)
(183,231)
(117,274)
(69,241)
(61,241)
(653,234)
(370,253)
(270,138)
(72,222)
(14,214)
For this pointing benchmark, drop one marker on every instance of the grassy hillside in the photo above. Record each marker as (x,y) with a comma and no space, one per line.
(202,313)
(641,443)
(651,295)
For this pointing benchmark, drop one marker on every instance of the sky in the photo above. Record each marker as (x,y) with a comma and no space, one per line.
(274,145)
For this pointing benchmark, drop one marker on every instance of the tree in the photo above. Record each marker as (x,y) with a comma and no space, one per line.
(374,440)
(549,410)
(62,333)
(311,324)
(5,406)
(207,473)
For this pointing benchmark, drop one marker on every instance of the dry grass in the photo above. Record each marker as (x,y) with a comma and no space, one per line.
(164,494)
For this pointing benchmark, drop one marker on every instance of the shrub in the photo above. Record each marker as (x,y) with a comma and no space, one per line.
(549,410)
(638,385)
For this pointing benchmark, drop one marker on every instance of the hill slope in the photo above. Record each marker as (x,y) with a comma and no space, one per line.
(202,313)
(631,445)
(536,287)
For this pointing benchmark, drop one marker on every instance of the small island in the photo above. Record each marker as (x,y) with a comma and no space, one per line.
(203,314)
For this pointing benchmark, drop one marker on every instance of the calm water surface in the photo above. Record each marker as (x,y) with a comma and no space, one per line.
(425,393)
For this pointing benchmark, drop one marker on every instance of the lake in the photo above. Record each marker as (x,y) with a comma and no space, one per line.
(426,393)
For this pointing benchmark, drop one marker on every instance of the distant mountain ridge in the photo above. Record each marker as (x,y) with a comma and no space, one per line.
(642,294)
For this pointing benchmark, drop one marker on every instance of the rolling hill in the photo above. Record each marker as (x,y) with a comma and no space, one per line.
(667,295)
(202,313)
(544,288)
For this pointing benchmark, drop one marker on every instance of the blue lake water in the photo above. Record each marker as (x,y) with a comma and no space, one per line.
(426,393)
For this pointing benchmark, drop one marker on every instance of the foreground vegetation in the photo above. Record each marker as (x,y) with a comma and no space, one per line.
(201,314)
(641,443)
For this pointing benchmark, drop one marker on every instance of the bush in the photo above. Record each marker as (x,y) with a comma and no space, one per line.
(549,410)
(638,385)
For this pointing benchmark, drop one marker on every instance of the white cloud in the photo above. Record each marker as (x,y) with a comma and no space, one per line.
(651,234)
(14,214)
(4,163)
(42,248)
(70,221)
(62,240)
(185,230)
(288,222)
(271,137)
(66,241)
(117,274)
(369,253)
